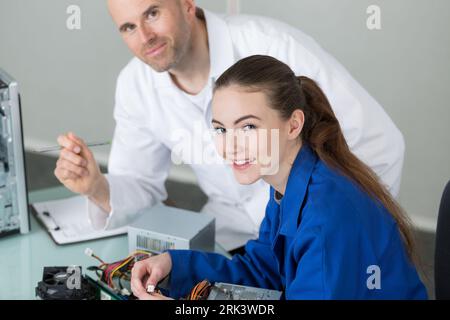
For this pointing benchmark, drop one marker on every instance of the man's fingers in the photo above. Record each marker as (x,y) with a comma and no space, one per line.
(67,143)
(85,151)
(74,137)
(64,175)
(67,175)
(72,157)
(72,168)
(78,140)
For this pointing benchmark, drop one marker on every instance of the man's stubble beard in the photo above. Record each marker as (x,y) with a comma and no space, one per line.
(181,46)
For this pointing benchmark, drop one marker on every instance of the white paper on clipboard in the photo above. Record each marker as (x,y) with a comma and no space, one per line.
(67,221)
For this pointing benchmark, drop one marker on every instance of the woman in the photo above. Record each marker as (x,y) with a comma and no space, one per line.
(331,230)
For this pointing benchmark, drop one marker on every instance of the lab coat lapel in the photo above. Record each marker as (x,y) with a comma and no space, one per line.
(168,93)
(221,50)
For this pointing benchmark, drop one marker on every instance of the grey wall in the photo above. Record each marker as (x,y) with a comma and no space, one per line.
(68,77)
(405,66)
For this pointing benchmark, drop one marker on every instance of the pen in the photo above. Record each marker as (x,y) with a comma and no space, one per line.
(57,148)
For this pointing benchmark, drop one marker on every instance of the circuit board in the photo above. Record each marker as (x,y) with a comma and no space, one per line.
(226,291)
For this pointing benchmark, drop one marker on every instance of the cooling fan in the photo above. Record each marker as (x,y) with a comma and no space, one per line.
(64,283)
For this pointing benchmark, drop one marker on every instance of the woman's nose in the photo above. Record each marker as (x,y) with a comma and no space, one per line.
(234,144)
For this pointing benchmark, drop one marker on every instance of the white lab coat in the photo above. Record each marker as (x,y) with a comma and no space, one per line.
(151,112)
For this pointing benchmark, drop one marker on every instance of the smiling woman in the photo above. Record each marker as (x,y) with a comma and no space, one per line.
(247,135)
(331,229)
(300,111)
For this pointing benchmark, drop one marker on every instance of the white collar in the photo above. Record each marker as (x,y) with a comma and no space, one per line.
(220,45)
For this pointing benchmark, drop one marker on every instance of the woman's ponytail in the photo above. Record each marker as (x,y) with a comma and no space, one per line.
(321,129)
(323,133)
(287,93)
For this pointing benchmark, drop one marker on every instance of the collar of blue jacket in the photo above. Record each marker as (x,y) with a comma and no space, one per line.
(296,188)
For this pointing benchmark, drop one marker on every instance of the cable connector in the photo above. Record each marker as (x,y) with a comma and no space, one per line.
(150,288)
(89,252)
(125,292)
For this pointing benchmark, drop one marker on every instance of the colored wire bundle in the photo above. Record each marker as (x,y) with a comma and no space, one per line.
(120,270)
(200,291)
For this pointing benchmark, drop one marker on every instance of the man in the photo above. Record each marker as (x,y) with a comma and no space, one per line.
(164,93)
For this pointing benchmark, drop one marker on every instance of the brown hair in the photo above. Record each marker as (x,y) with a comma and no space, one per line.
(322,132)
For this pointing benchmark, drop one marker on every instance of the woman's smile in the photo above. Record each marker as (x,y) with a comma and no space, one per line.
(241,165)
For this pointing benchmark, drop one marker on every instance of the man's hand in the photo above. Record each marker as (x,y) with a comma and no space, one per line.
(150,272)
(77,169)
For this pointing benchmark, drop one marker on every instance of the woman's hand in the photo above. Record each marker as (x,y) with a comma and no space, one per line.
(150,272)
(153,296)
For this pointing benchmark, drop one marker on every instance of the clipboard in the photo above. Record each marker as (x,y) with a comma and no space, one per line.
(67,221)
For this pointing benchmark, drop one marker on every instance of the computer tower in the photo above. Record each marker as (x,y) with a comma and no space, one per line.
(14,212)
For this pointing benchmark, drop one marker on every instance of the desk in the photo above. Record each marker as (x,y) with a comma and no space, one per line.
(23,257)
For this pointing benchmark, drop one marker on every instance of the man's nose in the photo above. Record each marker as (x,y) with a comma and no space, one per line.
(146,34)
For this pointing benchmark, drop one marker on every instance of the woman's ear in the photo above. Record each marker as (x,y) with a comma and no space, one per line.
(296,123)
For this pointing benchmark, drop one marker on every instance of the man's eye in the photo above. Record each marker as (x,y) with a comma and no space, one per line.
(152,14)
(128,29)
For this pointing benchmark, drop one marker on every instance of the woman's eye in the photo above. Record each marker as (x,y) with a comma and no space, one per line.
(219,130)
(249,127)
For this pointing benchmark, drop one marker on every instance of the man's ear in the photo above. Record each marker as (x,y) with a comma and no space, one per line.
(296,123)
(189,7)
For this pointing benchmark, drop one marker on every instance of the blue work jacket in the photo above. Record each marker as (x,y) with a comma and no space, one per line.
(325,239)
